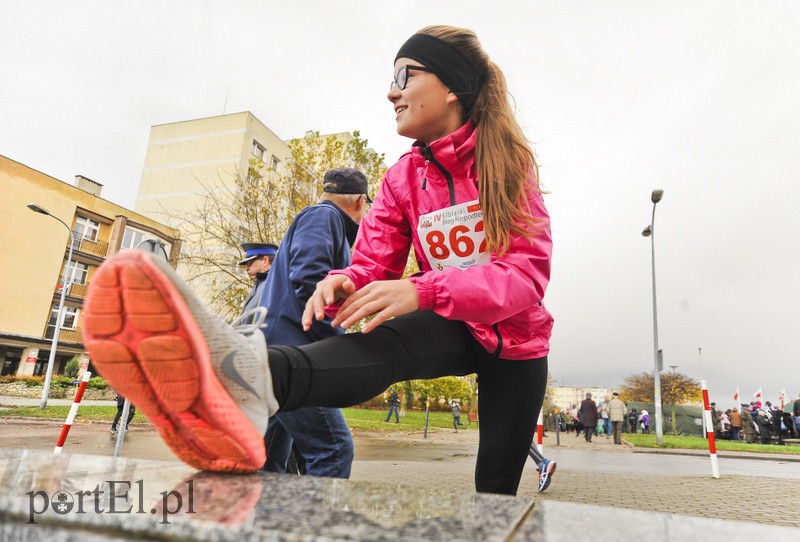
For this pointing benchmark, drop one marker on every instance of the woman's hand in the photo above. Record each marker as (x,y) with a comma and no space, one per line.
(384,299)
(328,291)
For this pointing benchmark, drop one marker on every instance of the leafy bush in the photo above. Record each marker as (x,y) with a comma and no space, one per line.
(31,381)
(61,382)
(97,383)
(73,367)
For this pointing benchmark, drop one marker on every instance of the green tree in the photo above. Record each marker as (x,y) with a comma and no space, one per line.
(676,389)
(446,387)
(73,367)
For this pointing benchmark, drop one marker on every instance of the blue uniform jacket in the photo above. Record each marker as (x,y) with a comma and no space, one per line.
(253,299)
(317,241)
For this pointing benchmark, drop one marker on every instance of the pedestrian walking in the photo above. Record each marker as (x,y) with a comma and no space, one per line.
(589,417)
(616,413)
(456,410)
(120,407)
(394,406)
(644,421)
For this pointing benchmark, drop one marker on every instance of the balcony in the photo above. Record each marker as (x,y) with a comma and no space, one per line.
(98,247)
(66,335)
(74,290)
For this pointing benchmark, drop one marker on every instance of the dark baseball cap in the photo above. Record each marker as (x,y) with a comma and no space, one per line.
(345,180)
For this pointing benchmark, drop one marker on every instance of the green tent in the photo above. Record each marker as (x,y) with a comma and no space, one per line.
(688,418)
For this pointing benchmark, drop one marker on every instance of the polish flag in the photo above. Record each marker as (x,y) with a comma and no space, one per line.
(757,394)
(736,397)
(783,398)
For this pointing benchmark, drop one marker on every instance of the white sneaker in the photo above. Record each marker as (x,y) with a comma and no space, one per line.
(206,388)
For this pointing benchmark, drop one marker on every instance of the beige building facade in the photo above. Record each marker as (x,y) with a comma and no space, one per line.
(186,158)
(35,252)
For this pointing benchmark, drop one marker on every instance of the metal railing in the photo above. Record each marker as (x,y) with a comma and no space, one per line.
(74,290)
(98,247)
(66,335)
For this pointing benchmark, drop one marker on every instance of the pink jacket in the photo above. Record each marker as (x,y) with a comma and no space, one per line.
(500,301)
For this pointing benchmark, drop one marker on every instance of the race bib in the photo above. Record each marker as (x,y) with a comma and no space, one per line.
(453,237)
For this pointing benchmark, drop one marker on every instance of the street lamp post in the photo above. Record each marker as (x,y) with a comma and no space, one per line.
(59,317)
(649,231)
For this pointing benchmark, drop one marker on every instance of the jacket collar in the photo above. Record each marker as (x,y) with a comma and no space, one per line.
(350,225)
(455,151)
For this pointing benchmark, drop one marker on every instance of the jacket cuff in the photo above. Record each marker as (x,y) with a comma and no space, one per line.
(425,291)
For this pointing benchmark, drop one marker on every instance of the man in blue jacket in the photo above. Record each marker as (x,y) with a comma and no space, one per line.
(318,240)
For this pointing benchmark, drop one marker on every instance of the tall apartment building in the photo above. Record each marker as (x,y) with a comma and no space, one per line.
(184,158)
(35,251)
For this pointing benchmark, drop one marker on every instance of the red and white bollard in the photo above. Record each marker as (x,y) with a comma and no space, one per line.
(712,446)
(539,433)
(72,411)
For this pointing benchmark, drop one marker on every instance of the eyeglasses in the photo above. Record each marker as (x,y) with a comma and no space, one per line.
(401,79)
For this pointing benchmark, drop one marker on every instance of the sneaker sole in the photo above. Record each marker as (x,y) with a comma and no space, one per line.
(144,341)
(549,478)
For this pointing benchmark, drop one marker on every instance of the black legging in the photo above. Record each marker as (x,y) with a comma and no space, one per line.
(350,369)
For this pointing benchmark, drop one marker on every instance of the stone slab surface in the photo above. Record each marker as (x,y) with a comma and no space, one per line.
(91,498)
(42,497)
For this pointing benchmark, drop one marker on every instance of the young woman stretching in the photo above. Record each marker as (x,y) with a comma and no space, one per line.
(466,198)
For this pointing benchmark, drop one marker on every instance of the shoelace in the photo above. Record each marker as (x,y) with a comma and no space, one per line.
(256,319)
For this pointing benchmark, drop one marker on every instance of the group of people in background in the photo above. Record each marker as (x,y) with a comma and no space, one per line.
(752,422)
(757,422)
(610,418)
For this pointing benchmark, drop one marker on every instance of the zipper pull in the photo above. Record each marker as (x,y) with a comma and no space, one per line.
(425,175)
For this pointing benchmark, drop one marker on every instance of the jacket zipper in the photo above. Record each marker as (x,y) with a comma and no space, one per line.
(428,155)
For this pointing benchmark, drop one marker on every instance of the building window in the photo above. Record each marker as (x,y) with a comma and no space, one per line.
(274,163)
(257,150)
(85,229)
(78,273)
(131,239)
(70,321)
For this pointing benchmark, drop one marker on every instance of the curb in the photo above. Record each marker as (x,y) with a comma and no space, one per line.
(729,455)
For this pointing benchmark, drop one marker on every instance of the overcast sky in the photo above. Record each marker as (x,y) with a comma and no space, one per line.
(698,98)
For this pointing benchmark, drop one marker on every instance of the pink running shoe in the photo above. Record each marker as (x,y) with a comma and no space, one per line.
(206,387)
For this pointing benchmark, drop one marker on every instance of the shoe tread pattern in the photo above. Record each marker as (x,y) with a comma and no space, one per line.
(142,349)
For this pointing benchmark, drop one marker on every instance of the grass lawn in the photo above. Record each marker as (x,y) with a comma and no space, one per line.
(86,412)
(699,443)
(414,420)
(358,419)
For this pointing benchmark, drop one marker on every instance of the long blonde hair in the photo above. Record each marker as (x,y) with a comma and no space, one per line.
(503,157)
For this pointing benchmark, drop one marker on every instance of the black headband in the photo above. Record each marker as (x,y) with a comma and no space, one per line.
(447,63)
